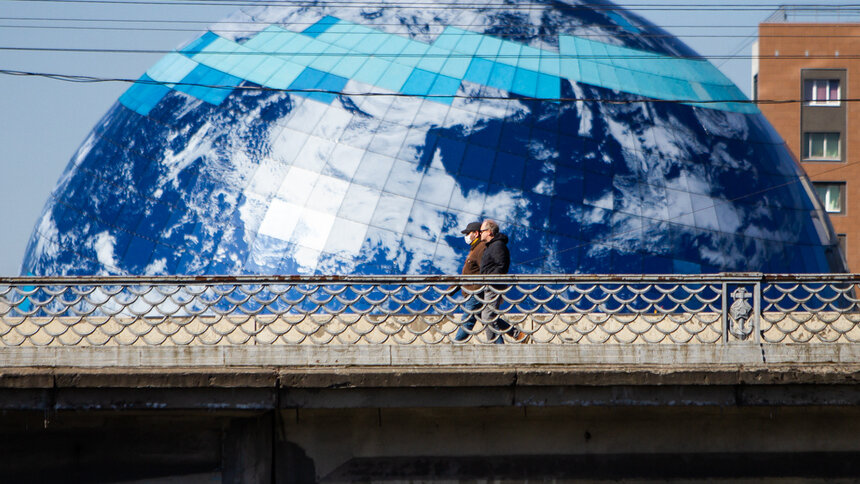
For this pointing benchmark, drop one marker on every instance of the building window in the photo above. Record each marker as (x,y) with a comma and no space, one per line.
(832,196)
(843,246)
(821,92)
(821,146)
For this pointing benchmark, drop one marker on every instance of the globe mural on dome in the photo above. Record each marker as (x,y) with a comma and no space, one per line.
(361,139)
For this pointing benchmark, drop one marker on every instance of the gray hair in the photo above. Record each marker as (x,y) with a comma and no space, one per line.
(492,226)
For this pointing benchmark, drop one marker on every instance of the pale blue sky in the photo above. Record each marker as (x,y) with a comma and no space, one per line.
(42,121)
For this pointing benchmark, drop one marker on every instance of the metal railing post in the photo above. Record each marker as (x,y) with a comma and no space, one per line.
(724,318)
(757,311)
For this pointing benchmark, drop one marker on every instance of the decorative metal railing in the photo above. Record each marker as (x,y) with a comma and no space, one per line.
(352,310)
(814,14)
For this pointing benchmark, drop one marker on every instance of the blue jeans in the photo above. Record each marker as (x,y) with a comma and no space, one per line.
(472,307)
(495,325)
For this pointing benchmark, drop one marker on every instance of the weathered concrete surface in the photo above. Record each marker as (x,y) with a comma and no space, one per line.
(420,386)
(647,443)
(675,356)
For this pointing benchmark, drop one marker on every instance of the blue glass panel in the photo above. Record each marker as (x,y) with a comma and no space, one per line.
(451,152)
(348,65)
(402,179)
(286,73)
(395,77)
(321,26)
(444,85)
(479,71)
(515,138)
(525,82)
(436,187)
(598,191)
(373,170)
(502,76)
(199,44)
(371,71)
(314,79)
(171,68)
(487,136)
(478,162)
(139,253)
(391,48)
(155,220)
(419,83)
(142,97)
(426,221)
(468,42)
(548,87)
(508,170)
(329,58)
(685,267)
(626,263)
(208,85)
(448,39)
(392,212)
(362,203)
(412,54)
(433,60)
(570,184)
(263,72)
(565,217)
(469,195)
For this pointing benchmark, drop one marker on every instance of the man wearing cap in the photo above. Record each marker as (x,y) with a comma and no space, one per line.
(472,266)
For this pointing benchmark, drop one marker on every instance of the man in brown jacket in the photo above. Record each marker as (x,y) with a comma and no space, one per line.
(471,305)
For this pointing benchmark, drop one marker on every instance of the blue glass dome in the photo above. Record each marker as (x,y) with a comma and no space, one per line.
(361,139)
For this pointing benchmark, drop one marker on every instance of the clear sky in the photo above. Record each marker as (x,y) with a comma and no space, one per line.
(42,121)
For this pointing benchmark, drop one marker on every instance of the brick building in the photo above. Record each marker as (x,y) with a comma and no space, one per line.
(818,64)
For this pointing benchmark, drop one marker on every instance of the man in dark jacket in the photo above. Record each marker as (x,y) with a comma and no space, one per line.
(496,260)
(472,266)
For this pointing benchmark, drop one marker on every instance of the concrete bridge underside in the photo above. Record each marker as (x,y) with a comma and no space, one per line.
(643,413)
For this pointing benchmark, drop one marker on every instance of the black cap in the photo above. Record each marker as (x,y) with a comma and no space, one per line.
(472,227)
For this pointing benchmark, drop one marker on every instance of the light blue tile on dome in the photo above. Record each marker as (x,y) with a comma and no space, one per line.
(171,68)
(275,57)
(141,97)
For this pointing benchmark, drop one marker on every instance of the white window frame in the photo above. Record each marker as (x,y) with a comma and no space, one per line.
(807,151)
(813,101)
(825,204)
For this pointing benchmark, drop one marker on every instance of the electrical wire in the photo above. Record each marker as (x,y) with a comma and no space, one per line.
(494,34)
(254,87)
(608,57)
(461,5)
(375,24)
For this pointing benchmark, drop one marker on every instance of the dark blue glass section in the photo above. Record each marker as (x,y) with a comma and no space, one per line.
(478,162)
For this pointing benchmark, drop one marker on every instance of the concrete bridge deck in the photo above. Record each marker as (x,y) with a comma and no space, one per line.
(649,397)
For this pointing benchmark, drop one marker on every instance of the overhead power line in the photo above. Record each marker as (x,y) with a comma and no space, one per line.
(511,33)
(460,5)
(375,24)
(254,87)
(644,56)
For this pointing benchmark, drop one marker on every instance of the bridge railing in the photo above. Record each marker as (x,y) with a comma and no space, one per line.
(713,309)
